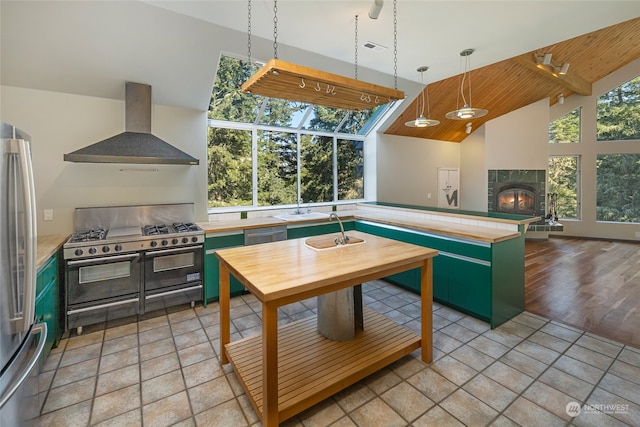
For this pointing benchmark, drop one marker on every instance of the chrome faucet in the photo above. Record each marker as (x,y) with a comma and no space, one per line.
(298,210)
(345,239)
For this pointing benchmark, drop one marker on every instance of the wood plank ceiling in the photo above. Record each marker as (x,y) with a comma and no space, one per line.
(517,82)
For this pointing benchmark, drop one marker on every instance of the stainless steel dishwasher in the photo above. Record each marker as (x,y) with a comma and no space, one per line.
(255,236)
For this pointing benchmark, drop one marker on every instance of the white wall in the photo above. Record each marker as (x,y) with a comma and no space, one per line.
(61,123)
(473,172)
(408,168)
(588,150)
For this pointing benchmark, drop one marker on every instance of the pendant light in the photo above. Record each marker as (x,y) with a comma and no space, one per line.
(422,121)
(467,111)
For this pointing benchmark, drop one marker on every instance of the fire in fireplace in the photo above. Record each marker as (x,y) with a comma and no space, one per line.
(516,198)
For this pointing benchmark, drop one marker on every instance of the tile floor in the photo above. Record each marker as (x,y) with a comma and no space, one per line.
(164,371)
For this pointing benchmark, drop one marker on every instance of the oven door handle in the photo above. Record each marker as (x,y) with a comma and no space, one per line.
(111,258)
(170,251)
(175,291)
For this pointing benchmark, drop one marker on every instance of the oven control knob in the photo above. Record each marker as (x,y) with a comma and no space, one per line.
(92,251)
(185,240)
(79,252)
(154,244)
(165,243)
(105,249)
(118,248)
(174,241)
(194,239)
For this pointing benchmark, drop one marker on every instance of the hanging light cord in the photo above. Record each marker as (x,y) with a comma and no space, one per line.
(356,60)
(249,32)
(275,29)
(464,76)
(395,44)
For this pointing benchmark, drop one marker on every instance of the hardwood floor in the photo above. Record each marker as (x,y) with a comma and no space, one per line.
(593,285)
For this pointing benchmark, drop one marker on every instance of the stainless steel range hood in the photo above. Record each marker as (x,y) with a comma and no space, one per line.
(136,144)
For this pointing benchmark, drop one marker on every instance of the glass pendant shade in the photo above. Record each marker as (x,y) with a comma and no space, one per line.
(466,112)
(422,121)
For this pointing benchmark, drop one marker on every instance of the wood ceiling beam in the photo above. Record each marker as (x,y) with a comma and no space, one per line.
(571,81)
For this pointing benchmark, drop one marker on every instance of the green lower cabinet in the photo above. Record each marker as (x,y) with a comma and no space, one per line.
(296,232)
(212,265)
(470,287)
(48,305)
(441,278)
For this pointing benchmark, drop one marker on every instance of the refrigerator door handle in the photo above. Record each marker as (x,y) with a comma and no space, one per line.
(40,328)
(28,308)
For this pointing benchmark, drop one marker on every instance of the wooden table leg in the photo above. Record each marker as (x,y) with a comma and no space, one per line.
(269,365)
(225,321)
(426,304)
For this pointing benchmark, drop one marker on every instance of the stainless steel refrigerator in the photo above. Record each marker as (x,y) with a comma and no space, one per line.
(21,341)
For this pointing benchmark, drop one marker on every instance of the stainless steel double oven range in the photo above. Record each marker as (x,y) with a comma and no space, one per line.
(130,260)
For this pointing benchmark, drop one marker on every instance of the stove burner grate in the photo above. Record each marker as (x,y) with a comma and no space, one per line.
(185,227)
(88,235)
(156,229)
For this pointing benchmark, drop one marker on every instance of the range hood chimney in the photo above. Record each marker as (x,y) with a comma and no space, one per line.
(136,144)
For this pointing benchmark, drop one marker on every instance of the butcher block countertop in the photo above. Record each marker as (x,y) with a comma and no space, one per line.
(48,246)
(392,216)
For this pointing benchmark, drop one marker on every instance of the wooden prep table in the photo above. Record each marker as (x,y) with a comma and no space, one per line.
(289,369)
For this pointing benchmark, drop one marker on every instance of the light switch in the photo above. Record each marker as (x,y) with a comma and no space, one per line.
(48,214)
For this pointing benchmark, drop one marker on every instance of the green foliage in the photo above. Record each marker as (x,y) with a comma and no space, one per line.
(618,113)
(566,128)
(563,174)
(230,165)
(618,187)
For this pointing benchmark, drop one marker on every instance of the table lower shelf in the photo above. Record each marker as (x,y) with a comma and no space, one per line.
(311,368)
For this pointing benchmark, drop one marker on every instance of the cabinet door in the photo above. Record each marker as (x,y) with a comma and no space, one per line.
(48,306)
(441,278)
(212,278)
(314,230)
(470,286)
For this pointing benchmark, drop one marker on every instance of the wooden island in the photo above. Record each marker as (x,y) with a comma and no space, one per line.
(289,369)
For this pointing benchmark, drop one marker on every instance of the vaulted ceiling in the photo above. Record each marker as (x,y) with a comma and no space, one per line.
(519,81)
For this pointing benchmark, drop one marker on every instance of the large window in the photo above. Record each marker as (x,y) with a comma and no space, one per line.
(564,182)
(618,113)
(271,152)
(566,129)
(618,187)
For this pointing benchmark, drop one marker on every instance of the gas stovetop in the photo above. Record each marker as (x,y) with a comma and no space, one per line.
(105,231)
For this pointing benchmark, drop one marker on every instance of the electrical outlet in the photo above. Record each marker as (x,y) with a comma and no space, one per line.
(48,214)
(428,195)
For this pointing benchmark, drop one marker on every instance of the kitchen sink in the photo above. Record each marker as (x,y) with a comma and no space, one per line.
(302,216)
(328,241)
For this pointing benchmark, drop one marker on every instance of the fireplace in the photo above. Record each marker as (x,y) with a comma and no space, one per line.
(516,197)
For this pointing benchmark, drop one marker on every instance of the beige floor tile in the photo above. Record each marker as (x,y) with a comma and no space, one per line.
(189,339)
(407,366)
(184,326)
(162,386)
(516,328)
(75,372)
(459,332)
(526,413)
(197,353)
(167,411)
(627,412)
(407,401)
(600,345)
(566,383)
(120,378)
(121,331)
(323,414)
(382,380)
(152,323)
(247,409)
(456,372)
(508,377)
(207,395)
(630,356)
(626,371)
(202,372)
(523,363)
(118,344)
(224,415)
(81,354)
(591,357)
(159,365)
(70,416)
(129,419)
(437,417)
(354,396)
(538,352)
(565,332)
(377,413)
(621,387)
(445,342)
(85,340)
(180,316)
(530,320)
(490,392)
(578,369)
(503,421)
(119,360)
(489,346)
(472,357)
(468,409)
(115,403)
(597,419)
(503,337)
(69,394)
(549,341)
(549,398)
(156,334)
(432,384)
(157,348)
